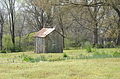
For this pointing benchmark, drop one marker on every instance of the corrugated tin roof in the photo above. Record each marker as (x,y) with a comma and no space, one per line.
(44,32)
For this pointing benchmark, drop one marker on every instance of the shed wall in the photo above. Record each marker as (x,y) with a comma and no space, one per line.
(40,45)
(54,43)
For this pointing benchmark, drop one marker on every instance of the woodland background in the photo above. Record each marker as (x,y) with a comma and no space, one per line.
(82,23)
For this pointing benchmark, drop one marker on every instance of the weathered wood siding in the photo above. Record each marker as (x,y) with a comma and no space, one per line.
(40,45)
(53,43)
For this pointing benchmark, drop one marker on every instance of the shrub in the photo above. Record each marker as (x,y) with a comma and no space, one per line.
(116,54)
(27,58)
(28,42)
(3,51)
(15,49)
(88,47)
(25,43)
(109,45)
(8,45)
(67,44)
(99,46)
(65,55)
(7,42)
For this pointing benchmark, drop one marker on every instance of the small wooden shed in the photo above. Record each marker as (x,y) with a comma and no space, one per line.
(48,40)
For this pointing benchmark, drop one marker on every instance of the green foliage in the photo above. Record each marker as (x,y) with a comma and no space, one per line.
(7,42)
(100,55)
(3,51)
(116,54)
(54,59)
(109,45)
(28,42)
(41,58)
(16,49)
(8,46)
(68,44)
(23,44)
(73,69)
(95,55)
(76,44)
(99,46)
(27,58)
(88,47)
(65,55)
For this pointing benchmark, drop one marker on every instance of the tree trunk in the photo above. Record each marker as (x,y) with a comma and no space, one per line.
(95,29)
(63,37)
(62,28)
(1,30)
(13,29)
(42,19)
(12,20)
(95,36)
(1,35)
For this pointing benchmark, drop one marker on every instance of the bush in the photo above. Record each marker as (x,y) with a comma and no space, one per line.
(16,49)
(27,58)
(109,45)
(26,43)
(7,42)
(116,54)
(3,51)
(99,46)
(67,44)
(65,55)
(88,47)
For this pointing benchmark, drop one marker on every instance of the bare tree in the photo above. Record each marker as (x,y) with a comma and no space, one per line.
(116,8)
(1,29)
(115,4)
(12,19)
(10,7)
(39,14)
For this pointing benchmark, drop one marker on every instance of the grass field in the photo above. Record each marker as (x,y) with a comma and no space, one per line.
(13,67)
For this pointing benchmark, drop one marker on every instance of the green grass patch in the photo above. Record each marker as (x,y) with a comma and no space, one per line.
(72,64)
(71,55)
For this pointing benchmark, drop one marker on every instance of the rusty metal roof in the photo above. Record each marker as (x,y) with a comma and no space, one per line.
(44,32)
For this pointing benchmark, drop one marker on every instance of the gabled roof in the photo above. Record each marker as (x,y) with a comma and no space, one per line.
(44,32)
